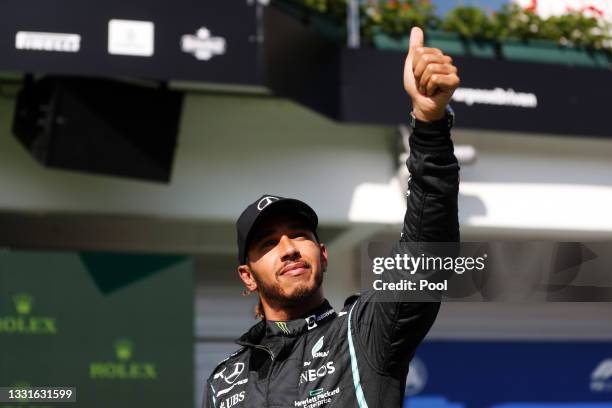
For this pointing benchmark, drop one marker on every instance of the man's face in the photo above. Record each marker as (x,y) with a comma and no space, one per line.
(285,259)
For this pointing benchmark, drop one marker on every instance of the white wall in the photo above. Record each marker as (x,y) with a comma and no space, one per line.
(520,186)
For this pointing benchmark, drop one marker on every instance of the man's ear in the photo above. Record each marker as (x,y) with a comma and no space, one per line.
(323,256)
(246,275)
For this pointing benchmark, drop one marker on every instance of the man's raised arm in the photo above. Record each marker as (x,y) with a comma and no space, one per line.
(391,331)
(430,79)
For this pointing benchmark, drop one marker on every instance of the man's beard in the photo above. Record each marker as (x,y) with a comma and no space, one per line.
(274,293)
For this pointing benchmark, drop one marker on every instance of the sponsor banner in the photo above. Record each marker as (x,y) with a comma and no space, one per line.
(488,271)
(497,96)
(210,40)
(99,323)
(502,374)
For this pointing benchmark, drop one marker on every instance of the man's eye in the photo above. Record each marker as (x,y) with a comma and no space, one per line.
(268,243)
(298,234)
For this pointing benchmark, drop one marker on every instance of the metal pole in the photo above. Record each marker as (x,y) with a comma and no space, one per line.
(352,24)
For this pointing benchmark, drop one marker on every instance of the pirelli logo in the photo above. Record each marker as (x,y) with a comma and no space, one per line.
(43,41)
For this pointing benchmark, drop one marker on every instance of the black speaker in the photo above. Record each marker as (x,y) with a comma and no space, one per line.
(99,126)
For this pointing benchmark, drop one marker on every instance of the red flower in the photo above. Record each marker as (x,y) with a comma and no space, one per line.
(533,6)
(593,9)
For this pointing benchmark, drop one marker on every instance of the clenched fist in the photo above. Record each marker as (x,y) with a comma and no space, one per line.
(430,78)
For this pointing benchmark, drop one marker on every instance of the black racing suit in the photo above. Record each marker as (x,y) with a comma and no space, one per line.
(360,356)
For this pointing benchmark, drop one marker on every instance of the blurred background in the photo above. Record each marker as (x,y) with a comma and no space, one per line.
(132,135)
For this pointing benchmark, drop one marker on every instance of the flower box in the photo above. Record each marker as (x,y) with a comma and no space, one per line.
(540,51)
(551,53)
(450,43)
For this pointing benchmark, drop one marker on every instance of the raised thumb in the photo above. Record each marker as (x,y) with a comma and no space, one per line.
(416,38)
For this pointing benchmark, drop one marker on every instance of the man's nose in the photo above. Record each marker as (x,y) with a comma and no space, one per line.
(288,248)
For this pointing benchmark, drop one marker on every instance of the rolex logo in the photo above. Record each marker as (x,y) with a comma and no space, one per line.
(123,349)
(124,368)
(23,303)
(23,322)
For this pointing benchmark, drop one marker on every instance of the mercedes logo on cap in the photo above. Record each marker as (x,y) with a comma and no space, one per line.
(266,201)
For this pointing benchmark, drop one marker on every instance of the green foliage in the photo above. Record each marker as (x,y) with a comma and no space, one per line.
(515,22)
(575,29)
(571,29)
(469,22)
(397,17)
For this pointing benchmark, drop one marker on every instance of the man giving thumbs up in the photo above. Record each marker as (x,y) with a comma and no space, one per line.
(305,354)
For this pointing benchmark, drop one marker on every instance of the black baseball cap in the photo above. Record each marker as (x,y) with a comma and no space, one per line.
(265,205)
